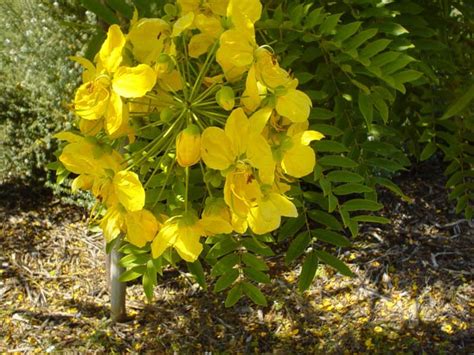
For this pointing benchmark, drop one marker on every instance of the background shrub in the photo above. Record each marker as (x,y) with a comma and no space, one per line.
(37,80)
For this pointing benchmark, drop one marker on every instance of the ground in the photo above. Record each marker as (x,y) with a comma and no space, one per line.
(412,293)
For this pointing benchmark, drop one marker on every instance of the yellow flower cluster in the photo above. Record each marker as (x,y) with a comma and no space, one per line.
(224,106)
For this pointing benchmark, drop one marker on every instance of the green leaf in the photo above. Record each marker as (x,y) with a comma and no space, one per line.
(345,31)
(225,264)
(351,188)
(359,39)
(326,219)
(222,248)
(389,184)
(327,130)
(460,104)
(314,18)
(292,225)
(359,204)
(257,247)
(132,274)
(198,272)
(366,107)
(385,164)
(374,48)
(428,151)
(133,260)
(298,246)
(329,236)
(254,262)
(406,76)
(234,295)
(122,7)
(321,114)
(343,176)
(101,11)
(256,275)
(94,44)
(329,24)
(334,262)
(254,293)
(308,271)
(337,160)
(330,146)
(226,280)
(371,219)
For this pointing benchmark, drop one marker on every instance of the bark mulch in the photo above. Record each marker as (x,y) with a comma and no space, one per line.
(412,293)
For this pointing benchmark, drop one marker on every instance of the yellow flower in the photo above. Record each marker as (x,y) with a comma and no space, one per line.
(221,149)
(113,223)
(216,217)
(241,190)
(292,103)
(100,96)
(181,233)
(298,158)
(149,37)
(188,146)
(266,216)
(101,171)
(141,226)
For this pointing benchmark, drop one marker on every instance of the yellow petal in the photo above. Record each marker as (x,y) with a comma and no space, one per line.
(89,72)
(79,158)
(110,53)
(268,71)
(133,82)
(239,224)
(147,37)
(260,156)
(188,5)
(298,161)
(69,137)
(112,224)
(236,49)
(244,13)
(308,136)
(259,119)
(183,23)
(208,24)
(283,205)
(264,218)
(114,118)
(142,227)
(171,81)
(237,129)
(91,100)
(166,238)
(129,190)
(83,181)
(90,128)
(251,98)
(187,244)
(216,149)
(200,44)
(295,105)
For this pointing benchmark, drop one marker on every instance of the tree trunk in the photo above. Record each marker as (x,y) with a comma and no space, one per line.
(116,288)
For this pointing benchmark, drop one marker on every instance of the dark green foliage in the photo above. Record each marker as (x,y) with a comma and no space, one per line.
(390,84)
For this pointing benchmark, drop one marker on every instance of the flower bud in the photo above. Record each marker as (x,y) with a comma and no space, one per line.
(188,146)
(225,98)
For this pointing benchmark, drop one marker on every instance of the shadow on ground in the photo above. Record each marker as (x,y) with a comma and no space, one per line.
(413,290)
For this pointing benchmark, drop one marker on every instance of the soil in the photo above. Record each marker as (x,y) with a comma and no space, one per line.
(413,290)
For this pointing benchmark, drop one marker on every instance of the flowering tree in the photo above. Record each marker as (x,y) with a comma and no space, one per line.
(197,139)
(189,130)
